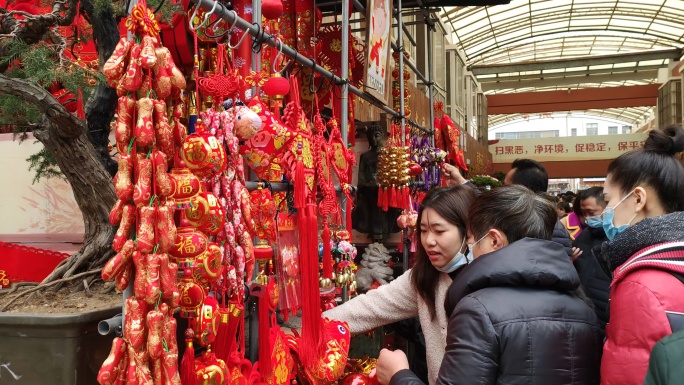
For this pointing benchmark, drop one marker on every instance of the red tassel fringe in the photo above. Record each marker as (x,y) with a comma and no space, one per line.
(299,186)
(222,342)
(188,362)
(311,299)
(327,252)
(350,207)
(264,338)
(226,340)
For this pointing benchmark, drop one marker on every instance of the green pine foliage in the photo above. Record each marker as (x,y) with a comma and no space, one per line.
(39,64)
(485,180)
(44,165)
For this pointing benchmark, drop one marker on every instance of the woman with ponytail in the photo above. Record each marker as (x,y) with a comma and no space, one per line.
(644,254)
(421,291)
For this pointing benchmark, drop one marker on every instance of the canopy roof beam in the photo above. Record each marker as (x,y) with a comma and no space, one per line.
(569,80)
(575,62)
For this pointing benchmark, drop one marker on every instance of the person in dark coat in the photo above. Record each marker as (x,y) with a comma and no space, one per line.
(665,365)
(514,317)
(531,174)
(595,281)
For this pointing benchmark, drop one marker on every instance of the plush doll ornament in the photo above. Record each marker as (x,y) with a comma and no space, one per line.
(247,122)
(261,151)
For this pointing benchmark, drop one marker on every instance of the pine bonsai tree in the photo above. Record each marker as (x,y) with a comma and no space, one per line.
(32,59)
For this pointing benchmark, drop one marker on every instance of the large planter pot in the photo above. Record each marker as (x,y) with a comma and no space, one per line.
(53,349)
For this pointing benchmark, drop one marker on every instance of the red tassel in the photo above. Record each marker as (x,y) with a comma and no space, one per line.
(222,342)
(311,299)
(380,196)
(393,202)
(80,112)
(327,252)
(299,186)
(385,199)
(225,342)
(264,340)
(188,362)
(350,207)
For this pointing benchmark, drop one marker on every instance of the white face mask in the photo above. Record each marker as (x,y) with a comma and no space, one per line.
(458,260)
(470,247)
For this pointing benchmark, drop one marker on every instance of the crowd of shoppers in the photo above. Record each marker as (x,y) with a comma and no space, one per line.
(506,295)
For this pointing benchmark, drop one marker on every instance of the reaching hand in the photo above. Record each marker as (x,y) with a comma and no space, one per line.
(389,363)
(576,252)
(452,174)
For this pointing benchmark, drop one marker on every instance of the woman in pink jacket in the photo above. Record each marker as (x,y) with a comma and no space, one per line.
(644,223)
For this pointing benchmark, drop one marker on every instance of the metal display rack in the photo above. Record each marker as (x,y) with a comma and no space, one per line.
(259,36)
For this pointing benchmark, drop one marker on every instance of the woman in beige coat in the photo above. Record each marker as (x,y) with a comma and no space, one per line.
(420,291)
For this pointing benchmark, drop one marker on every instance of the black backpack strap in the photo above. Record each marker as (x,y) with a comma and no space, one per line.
(679,276)
(676,319)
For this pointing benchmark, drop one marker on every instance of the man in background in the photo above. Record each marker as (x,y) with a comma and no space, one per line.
(594,280)
(531,174)
(563,209)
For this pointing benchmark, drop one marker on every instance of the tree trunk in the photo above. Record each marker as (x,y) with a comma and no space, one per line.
(102,103)
(65,136)
(79,148)
(92,186)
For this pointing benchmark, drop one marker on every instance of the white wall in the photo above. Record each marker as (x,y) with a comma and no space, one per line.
(561,122)
(47,207)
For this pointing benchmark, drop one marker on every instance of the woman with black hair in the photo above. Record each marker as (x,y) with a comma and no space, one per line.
(420,291)
(644,254)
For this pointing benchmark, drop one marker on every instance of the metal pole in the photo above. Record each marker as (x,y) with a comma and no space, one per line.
(412,66)
(400,49)
(128,291)
(232,19)
(431,89)
(344,106)
(256,56)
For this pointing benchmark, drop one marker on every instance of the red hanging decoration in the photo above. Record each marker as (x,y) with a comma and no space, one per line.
(311,343)
(225,82)
(276,87)
(271,9)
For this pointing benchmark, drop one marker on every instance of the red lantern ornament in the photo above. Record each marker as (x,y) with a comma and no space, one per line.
(189,243)
(271,9)
(202,153)
(208,267)
(263,252)
(206,213)
(191,298)
(187,186)
(207,324)
(276,87)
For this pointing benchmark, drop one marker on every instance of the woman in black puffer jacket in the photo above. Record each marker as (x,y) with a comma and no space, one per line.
(515,318)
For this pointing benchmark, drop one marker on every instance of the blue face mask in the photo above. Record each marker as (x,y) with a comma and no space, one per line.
(595,222)
(457,261)
(607,223)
